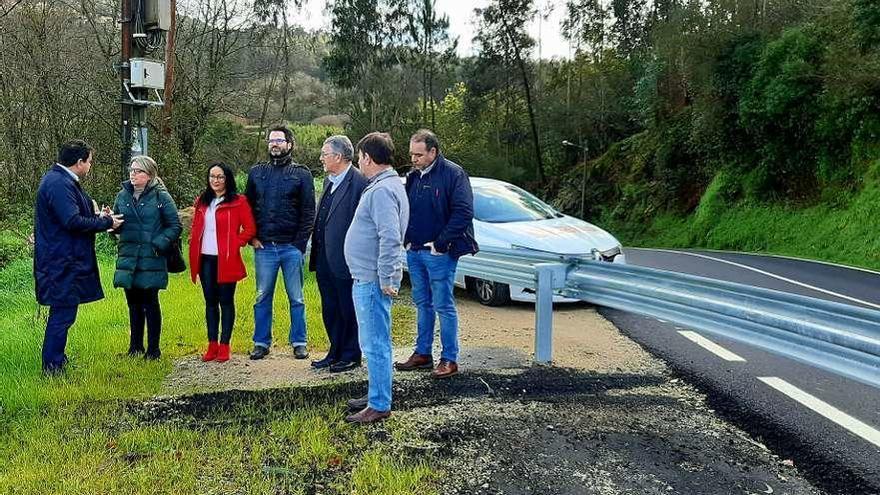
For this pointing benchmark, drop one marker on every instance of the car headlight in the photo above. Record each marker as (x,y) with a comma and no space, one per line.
(607,255)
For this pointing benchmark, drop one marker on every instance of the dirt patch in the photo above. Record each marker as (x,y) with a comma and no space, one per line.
(582,338)
(491,338)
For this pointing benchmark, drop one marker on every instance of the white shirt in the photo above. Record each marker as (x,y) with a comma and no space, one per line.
(75,177)
(427,169)
(209,235)
(335,180)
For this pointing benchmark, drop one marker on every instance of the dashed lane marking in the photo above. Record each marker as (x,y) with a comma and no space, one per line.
(830,412)
(711,346)
(773,275)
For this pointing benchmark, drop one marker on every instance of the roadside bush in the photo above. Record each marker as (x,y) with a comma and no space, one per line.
(309,139)
(778,108)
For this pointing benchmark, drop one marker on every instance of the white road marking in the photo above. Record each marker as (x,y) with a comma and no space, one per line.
(780,256)
(711,346)
(823,408)
(773,275)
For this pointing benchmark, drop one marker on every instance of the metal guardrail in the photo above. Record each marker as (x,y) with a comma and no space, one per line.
(840,338)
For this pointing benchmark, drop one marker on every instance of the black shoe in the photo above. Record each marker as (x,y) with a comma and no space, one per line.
(357,404)
(300,352)
(340,366)
(259,352)
(323,363)
(135,352)
(152,355)
(53,371)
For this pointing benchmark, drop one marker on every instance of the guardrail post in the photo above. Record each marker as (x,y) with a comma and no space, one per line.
(549,276)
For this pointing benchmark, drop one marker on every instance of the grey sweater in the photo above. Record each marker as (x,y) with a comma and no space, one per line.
(374,242)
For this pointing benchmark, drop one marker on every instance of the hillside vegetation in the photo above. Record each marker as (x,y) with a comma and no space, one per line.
(716,123)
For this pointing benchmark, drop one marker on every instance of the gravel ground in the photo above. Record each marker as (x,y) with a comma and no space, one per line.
(607,419)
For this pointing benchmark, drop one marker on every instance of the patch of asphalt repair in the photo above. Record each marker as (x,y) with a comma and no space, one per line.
(824,470)
(535,430)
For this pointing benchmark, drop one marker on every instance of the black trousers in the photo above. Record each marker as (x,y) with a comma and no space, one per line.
(337,310)
(219,301)
(143,306)
(61,318)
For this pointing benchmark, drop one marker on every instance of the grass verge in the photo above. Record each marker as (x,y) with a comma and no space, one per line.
(844,231)
(82,434)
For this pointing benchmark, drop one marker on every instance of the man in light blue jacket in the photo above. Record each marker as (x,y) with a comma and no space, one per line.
(373,247)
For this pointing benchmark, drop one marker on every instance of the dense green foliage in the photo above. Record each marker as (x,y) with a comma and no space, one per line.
(776,103)
(781,114)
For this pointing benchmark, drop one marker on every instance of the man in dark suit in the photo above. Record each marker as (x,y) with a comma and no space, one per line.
(65,265)
(342,191)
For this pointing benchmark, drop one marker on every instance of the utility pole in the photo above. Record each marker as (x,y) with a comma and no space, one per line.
(584,147)
(125,76)
(144,23)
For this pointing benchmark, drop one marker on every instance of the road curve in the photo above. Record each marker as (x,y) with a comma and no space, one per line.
(827,425)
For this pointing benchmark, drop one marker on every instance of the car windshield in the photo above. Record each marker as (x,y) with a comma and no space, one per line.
(501,203)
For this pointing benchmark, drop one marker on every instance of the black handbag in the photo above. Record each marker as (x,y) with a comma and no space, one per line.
(174,258)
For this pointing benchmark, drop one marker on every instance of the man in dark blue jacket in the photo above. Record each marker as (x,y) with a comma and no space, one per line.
(65,265)
(282,196)
(441,230)
(342,191)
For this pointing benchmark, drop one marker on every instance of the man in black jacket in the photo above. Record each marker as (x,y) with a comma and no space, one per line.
(65,265)
(282,196)
(441,230)
(342,191)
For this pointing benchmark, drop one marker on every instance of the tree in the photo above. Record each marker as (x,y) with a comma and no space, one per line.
(502,39)
(434,49)
(212,37)
(367,60)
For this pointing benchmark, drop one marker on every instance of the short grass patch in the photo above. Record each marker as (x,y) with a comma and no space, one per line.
(80,433)
(843,232)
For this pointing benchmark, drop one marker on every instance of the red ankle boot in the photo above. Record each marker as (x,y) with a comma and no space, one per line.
(213,348)
(223,353)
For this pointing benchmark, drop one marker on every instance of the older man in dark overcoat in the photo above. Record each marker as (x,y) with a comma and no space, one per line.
(342,191)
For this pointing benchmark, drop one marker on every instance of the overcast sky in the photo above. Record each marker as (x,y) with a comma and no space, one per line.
(461,20)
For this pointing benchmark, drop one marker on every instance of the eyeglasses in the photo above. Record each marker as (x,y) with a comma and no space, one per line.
(218,178)
(277,141)
(136,171)
(323,154)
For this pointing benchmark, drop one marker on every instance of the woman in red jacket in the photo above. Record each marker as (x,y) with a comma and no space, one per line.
(222,225)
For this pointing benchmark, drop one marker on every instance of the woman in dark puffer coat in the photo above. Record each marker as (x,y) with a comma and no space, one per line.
(151,226)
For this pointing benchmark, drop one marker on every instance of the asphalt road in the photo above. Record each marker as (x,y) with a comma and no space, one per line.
(828,426)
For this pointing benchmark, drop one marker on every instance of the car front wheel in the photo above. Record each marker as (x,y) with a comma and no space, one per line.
(491,293)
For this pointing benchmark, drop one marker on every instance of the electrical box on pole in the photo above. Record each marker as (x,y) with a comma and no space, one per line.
(147,74)
(144,27)
(157,15)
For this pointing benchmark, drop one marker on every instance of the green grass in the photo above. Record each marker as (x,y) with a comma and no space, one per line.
(105,451)
(78,434)
(845,231)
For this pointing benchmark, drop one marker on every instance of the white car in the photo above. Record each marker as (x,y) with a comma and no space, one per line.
(507,216)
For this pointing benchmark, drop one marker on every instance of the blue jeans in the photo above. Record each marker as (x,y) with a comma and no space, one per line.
(267,261)
(373,310)
(433,280)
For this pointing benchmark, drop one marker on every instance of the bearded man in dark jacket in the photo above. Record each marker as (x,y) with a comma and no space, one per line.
(281,194)
(65,265)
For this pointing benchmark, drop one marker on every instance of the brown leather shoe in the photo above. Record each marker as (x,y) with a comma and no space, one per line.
(367,415)
(416,362)
(445,369)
